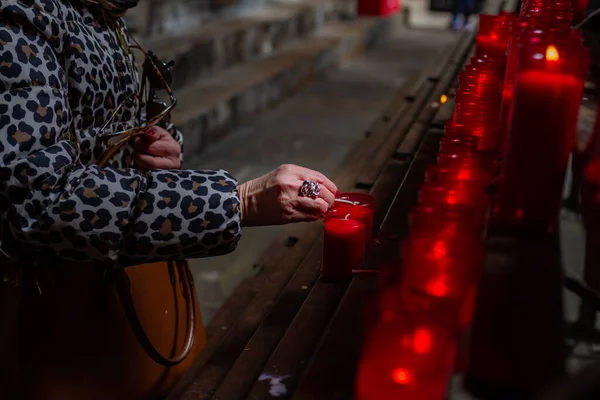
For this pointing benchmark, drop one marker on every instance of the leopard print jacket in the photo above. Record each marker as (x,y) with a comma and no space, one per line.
(62,72)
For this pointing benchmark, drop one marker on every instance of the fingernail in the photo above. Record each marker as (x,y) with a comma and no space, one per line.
(151,131)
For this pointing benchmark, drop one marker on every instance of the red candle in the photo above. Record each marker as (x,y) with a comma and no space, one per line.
(548,92)
(408,356)
(343,246)
(442,263)
(492,37)
(524,34)
(363,207)
(491,46)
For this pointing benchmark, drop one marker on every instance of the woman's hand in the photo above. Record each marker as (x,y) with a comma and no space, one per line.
(275,199)
(157,149)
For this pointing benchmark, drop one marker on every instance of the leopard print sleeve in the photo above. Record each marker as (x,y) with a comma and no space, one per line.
(53,204)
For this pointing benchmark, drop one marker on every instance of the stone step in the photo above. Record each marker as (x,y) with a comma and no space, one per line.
(242,36)
(209,108)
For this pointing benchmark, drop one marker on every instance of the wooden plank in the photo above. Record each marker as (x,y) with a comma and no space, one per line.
(379,158)
(445,113)
(281,266)
(421,112)
(386,188)
(376,137)
(242,375)
(415,135)
(412,140)
(294,350)
(330,374)
(395,225)
(232,307)
(249,365)
(295,347)
(448,57)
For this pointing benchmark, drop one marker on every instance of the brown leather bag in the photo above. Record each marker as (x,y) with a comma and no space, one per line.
(85,334)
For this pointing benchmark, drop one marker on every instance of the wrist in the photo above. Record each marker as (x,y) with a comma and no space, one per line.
(243,196)
(248,193)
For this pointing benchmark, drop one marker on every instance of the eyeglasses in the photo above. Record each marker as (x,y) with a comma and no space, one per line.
(156,76)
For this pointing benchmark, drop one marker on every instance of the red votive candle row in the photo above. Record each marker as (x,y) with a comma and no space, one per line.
(347,235)
(513,123)
(430,297)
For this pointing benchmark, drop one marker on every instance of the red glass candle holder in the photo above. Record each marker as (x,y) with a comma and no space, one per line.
(542,134)
(344,244)
(544,12)
(459,194)
(428,219)
(447,222)
(444,268)
(492,37)
(364,205)
(408,356)
(467,170)
(523,35)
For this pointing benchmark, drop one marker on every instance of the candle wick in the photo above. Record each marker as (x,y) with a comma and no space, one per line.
(347,216)
(354,203)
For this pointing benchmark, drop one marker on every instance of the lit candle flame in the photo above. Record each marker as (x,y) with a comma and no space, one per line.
(552,54)
(443,99)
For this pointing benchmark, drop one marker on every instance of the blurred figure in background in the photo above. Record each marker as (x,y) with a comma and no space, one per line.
(461,15)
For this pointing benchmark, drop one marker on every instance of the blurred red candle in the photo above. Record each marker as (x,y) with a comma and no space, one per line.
(492,37)
(343,245)
(441,274)
(407,356)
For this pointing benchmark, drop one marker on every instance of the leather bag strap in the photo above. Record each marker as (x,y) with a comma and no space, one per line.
(123,286)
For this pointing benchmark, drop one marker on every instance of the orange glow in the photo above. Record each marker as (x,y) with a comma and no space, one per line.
(437,288)
(439,249)
(443,99)
(422,341)
(552,53)
(401,376)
